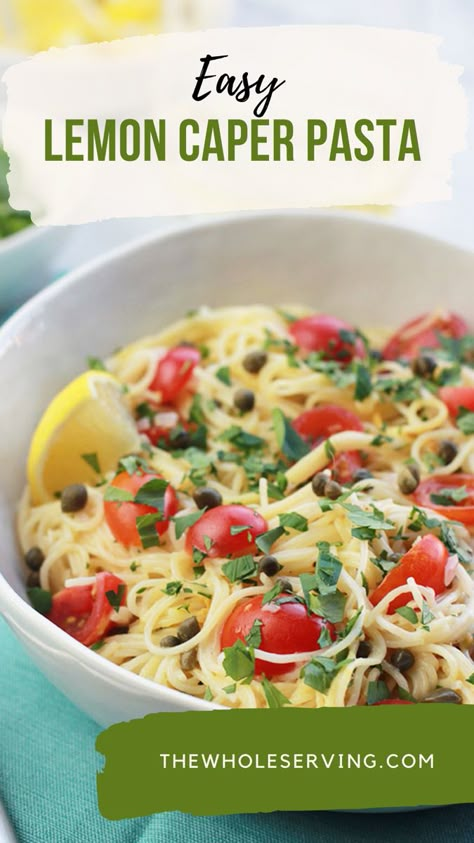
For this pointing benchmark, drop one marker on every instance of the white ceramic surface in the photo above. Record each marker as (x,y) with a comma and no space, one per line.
(361,270)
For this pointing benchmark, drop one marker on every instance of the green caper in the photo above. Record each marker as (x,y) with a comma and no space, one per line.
(33,580)
(363,650)
(73,497)
(188,629)
(443,695)
(207,498)
(34,558)
(244,400)
(424,365)
(408,478)
(318,483)
(269,565)
(182,440)
(447,451)
(403,660)
(169,641)
(254,361)
(332,490)
(188,660)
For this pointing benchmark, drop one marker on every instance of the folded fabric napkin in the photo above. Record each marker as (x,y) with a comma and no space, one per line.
(47,782)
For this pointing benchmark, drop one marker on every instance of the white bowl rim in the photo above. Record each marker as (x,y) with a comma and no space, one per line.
(11,603)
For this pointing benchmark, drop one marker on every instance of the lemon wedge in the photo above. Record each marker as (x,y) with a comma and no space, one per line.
(88,417)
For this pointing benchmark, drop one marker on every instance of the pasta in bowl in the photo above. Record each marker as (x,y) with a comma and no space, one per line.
(292,524)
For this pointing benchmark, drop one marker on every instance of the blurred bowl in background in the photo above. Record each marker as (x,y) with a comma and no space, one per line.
(26,257)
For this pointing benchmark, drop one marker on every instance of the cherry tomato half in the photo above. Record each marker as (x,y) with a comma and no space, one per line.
(286,628)
(174,371)
(84,611)
(456,397)
(220,531)
(423,332)
(121,516)
(394,702)
(323,333)
(158,423)
(320,423)
(164,427)
(462,510)
(425,562)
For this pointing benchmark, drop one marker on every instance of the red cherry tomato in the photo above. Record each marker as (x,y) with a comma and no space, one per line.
(286,628)
(462,510)
(422,332)
(425,562)
(320,423)
(323,333)
(122,516)
(456,397)
(394,702)
(84,611)
(174,371)
(158,423)
(217,532)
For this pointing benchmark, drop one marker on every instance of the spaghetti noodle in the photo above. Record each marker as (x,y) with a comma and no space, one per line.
(338,507)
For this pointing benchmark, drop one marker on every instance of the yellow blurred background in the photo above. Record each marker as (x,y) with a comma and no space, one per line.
(31,25)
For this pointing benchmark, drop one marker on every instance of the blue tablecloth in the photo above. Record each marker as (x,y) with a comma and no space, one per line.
(47,782)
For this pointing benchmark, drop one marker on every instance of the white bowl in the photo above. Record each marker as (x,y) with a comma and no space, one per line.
(361,270)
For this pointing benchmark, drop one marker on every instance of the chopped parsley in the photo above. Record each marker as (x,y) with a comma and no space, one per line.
(240,439)
(294,520)
(289,441)
(172,588)
(236,529)
(115,597)
(274,697)
(363,383)
(330,606)
(196,413)
(223,374)
(117,495)
(449,495)
(408,613)
(329,449)
(97,364)
(465,421)
(320,672)
(152,493)
(146,526)
(367,523)
(377,691)
(239,661)
(265,540)
(240,568)
(273,592)
(132,464)
(92,461)
(40,599)
(254,636)
(426,615)
(182,522)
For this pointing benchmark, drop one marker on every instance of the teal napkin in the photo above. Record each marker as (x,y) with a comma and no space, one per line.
(47,783)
